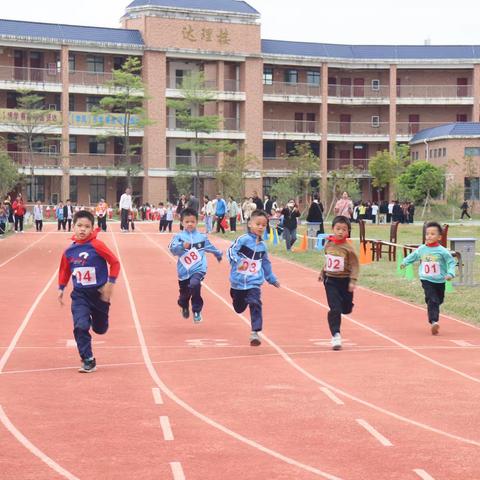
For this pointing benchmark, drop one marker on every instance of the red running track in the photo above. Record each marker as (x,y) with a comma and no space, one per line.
(173,400)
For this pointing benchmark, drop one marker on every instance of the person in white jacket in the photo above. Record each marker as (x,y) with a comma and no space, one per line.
(208,211)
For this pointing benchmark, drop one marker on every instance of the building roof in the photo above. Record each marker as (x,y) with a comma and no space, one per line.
(54,32)
(378,52)
(231,6)
(459,129)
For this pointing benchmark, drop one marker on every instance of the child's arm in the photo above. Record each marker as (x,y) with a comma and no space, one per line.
(177,246)
(451,264)
(210,247)
(232,252)
(412,258)
(64,274)
(354,269)
(109,257)
(268,272)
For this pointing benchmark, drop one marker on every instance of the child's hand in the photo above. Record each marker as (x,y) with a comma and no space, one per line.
(448,277)
(106,292)
(243,267)
(60,297)
(351,287)
(276,284)
(320,276)
(187,246)
(402,266)
(219,259)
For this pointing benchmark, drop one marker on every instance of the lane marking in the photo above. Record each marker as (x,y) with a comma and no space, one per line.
(423,474)
(32,448)
(24,250)
(177,471)
(170,394)
(332,396)
(384,441)
(317,380)
(157,396)
(166,428)
(463,343)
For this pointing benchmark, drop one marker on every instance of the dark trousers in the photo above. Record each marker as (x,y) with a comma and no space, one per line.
(170,223)
(38,225)
(3,226)
(191,290)
(374,219)
(61,224)
(389,217)
(233,224)
(102,223)
(88,310)
(249,298)
(163,225)
(67,221)
(464,212)
(124,219)
(219,223)
(434,296)
(340,300)
(19,223)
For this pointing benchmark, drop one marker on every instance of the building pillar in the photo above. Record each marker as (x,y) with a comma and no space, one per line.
(476,93)
(154,157)
(393,109)
(324,135)
(65,142)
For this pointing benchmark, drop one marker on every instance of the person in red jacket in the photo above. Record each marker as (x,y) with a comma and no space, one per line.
(19,211)
(86,261)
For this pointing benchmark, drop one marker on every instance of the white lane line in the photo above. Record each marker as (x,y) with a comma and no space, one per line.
(317,380)
(170,394)
(463,343)
(384,441)
(331,396)
(166,428)
(177,471)
(21,251)
(157,396)
(32,448)
(423,474)
(386,337)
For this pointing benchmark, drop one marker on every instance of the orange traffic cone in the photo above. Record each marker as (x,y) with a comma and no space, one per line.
(365,253)
(303,246)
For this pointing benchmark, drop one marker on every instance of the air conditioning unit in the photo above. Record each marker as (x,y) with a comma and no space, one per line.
(375,85)
(52,106)
(375,121)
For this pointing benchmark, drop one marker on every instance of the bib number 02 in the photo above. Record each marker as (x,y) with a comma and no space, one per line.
(334,264)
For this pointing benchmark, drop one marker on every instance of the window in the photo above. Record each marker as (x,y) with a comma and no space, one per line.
(12,99)
(96,146)
(472,151)
(38,189)
(375,121)
(269,149)
(71,62)
(313,77)
(74,189)
(472,188)
(375,85)
(268,183)
(118,62)
(95,64)
(72,144)
(98,189)
(71,102)
(444,152)
(291,76)
(268,76)
(92,102)
(290,147)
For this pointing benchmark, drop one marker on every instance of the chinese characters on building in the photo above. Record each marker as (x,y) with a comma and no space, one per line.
(220,36)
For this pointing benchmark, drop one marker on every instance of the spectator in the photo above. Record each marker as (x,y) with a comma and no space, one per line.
(38,216)
(68,214)
(19,211)
(411,212)
(268,205)
(208,212)
(315,213)
(397,212)
(101,211)
(390,211)
(290,214)
(220,212)
(193,203)
(344,206)
(233,211)
(125,206)
(464,207)
(258,201)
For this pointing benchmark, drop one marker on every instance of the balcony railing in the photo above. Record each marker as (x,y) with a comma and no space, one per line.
(226,124)
(411,128)
(102,161)
(79,77)
(348,163)
(290,126)
(285,88)
(434,91)
(358,91)
(358,128)
(40,159)
(207,161)
(229,84)
(10,73)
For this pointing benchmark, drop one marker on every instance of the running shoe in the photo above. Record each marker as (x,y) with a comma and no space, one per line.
(185,312)
(197,317)
(435,328)
(255,339)
(88,366)
(337,342)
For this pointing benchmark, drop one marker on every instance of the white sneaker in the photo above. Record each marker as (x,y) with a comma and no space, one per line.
(337,342)
(435,328)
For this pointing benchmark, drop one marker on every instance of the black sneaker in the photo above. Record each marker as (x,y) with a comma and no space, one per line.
(185,312)
(197,317)
(88,366)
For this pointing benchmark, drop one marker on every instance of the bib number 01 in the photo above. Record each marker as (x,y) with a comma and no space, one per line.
(431,269)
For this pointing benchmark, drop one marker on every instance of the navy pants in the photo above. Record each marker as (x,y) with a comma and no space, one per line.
(88,310)
(434,297)
(249,298)
(340,300)
(190,289)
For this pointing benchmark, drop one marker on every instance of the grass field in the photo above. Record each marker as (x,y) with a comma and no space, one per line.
(382,277)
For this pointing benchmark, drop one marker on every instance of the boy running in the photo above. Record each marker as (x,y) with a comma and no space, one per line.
(86,262)
(190,247)
(250,267)
(339,276)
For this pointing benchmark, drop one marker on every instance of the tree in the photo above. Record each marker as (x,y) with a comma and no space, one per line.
(33,121)
(127,99)
(383,169)
(183,180)
(9,175)
(195,96)
(283,189)
(231,175)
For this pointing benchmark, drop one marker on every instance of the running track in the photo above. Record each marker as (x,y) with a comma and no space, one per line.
(173,400)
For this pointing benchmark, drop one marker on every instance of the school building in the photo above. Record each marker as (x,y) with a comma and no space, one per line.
(346,101)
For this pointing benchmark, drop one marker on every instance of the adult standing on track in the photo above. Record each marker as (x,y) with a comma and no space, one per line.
(290,214)
(101,212)
(344,206)
(193,202)
(220,212)
(38,216)
(125,206)
(68,214)
(19,212)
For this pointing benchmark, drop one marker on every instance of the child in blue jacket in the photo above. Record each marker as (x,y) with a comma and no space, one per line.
(250,267)
(190,247)
(436,266)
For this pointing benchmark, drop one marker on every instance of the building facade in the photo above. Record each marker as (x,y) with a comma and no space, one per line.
(346,101)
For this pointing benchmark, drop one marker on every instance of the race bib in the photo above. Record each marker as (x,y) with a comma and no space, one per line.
(85,275)
(334,264)
(191,258)
(430,269)
(249,267)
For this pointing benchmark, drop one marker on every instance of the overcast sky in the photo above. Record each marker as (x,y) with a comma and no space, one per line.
(326,21)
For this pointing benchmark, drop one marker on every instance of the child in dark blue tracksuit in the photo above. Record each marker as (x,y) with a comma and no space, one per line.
(250,267)
(86,262)
(190,246)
